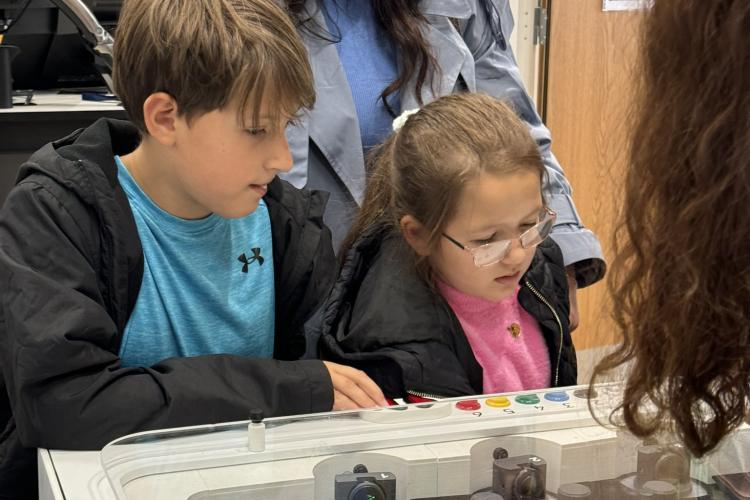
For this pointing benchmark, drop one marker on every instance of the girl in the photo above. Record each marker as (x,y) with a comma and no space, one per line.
(448,285)
(373,58)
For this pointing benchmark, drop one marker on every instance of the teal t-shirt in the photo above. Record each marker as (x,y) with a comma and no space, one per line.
(208,284)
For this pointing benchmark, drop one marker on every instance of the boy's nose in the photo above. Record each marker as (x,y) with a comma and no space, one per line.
(280,157)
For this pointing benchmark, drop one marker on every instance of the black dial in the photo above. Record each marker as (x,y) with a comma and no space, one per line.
(367,490)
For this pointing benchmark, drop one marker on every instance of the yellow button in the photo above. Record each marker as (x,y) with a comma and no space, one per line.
(499,402)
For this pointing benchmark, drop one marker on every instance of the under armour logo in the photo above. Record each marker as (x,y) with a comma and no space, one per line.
(256,257)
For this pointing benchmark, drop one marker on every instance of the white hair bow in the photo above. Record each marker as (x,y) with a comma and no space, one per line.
(399,121)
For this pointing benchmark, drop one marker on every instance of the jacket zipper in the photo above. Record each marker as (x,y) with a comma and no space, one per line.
(425,395)
(559,325)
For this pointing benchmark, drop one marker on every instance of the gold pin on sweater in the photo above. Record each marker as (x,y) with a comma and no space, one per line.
(515,330)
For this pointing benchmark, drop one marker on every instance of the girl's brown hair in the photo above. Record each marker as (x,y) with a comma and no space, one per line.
(681,278)
(421,169)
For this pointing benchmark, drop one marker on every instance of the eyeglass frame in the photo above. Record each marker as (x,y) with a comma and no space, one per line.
(549,217)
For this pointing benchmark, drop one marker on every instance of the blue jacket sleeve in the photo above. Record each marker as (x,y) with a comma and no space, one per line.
(497,74)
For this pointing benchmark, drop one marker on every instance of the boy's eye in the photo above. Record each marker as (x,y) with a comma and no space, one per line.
(256,132)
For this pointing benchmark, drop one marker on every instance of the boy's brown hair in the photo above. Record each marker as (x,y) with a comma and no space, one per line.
(206,53)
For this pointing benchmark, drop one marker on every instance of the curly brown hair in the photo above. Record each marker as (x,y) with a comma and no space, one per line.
(681,277)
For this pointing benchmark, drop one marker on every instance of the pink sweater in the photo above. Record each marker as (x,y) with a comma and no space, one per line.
(510,363)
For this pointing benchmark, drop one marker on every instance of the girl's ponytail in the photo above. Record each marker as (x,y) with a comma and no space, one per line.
(377,207)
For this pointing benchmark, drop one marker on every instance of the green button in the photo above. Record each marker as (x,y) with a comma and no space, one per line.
(527,399)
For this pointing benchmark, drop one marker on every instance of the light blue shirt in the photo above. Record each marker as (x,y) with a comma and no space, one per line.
(369,60)
(208,284)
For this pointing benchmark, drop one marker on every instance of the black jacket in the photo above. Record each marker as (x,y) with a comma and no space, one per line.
(71,266)
(382,318)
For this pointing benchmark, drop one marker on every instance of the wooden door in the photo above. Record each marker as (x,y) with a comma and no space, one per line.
(589,73)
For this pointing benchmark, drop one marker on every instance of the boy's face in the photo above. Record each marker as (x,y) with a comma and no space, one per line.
(491,208)
(221,166)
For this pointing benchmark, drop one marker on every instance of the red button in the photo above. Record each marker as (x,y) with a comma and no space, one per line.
(469,405)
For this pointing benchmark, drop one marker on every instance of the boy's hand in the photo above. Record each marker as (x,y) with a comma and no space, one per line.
(353,389)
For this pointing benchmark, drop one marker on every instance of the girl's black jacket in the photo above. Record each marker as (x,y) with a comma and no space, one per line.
(381,317)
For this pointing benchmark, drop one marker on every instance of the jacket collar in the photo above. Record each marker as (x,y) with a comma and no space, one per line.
(448,47)
(95,145)
(459,9)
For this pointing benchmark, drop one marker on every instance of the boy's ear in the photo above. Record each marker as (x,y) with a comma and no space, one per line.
(160,116)
(415,235)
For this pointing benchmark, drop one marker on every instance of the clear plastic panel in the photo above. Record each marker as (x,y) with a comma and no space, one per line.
(539,444)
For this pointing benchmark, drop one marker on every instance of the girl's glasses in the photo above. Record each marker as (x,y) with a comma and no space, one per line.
(496,251)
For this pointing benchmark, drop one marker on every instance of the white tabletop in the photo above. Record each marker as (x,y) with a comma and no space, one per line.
(52,102)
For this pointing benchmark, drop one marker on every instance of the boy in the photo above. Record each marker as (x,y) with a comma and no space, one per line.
(152,274)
